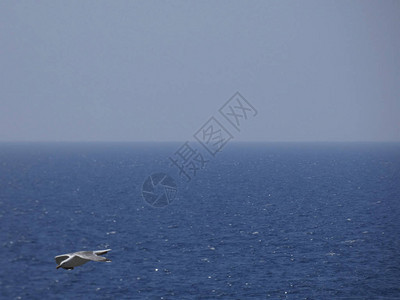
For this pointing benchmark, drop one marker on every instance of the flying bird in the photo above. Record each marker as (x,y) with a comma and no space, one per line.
(71,260)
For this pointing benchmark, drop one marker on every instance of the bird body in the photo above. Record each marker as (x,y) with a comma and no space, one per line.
(71,260)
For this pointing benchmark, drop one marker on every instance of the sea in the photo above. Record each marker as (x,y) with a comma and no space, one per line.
(252,221)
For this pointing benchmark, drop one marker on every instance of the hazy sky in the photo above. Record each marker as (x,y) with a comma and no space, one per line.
(157,70)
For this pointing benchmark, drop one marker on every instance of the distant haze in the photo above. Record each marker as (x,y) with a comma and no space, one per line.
(158,70)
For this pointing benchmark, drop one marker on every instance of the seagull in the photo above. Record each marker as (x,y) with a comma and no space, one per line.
(71,260)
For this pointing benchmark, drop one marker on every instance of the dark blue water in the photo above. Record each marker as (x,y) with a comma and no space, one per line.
(279,221)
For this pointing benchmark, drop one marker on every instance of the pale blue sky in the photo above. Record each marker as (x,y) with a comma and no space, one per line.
(157,70)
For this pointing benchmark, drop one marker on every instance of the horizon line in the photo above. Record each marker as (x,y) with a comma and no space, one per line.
(183,141)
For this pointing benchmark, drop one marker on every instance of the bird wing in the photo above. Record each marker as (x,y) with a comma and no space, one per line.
(75,260)
(101,252)
(89,255)
(60,258)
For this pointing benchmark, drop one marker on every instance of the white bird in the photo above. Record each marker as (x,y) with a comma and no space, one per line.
(71,260)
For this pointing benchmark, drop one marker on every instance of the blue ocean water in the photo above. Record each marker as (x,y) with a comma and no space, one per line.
(278,221)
